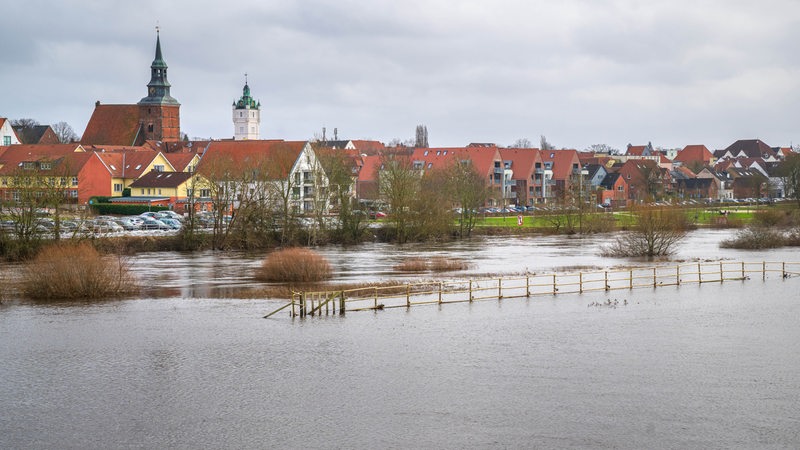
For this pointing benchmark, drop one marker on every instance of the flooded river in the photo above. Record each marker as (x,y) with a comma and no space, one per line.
(695,366)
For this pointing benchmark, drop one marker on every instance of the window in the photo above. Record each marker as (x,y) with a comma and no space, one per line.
(205,192)
(159,192)
(189,192)
(241,129)
(73,193)
(430,165)
(45,166)
(74,181)
(148,192)
(117,187)
(425,153)
(142,191)
(241,114)
(158,168)
(6,140)
(150,128)
(28,165)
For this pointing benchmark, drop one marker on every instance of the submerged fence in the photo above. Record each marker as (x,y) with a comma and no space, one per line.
(469,290)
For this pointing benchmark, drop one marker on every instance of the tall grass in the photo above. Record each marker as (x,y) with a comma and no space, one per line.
(76,271)
(294,265)
(437,264)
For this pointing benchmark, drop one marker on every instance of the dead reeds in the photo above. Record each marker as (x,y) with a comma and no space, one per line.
(294,265)
(76,271)
(436,264)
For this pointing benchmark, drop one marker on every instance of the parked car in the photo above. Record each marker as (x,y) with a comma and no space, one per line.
(128,224)
(173,223)
(154,224)
(105,226)
(169,215)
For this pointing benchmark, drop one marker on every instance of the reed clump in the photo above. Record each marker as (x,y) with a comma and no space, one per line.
(68,271)
(292,265)
(437,264)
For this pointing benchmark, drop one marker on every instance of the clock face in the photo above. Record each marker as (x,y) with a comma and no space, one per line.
(152,90)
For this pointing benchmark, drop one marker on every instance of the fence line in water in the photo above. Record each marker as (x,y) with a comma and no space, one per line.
(469,290)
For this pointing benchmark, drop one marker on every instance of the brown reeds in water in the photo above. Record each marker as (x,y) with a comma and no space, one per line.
(76,271)
(437,264)
(294,265)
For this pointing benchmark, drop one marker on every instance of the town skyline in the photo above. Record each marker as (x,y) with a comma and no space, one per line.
(671,74)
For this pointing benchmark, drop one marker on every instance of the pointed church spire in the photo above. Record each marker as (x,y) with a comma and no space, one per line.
(158,87)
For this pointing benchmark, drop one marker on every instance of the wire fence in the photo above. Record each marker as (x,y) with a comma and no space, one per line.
(469,290)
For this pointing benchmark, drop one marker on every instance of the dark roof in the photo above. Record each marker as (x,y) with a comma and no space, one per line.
(753,148)
(36,135)
(695,183)
(609,181)
(154,179)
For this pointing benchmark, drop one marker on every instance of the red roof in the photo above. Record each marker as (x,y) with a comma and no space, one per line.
(114,125)
(523,161)
(694,153)
(127,164)
(482,158)
(562,162)
(68,164)
(252,153)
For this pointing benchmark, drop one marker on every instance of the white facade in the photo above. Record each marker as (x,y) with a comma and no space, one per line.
(246,123)
(246,117)
(7,134)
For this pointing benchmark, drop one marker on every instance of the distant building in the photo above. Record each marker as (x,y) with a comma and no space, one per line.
(246,116)
(155,118)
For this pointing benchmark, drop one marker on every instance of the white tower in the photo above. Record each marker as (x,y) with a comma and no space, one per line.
(246,116)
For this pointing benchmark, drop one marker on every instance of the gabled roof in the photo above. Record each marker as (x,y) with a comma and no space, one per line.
(562,162)
(155,179)
(482,158)
(130,165)
(592,170)
(694,153)
(36,152)
(114,125)
(752,148)
(610,180)
(369,147)
(240,155)
(180,161)
(370,168)
(524,161)
(38,134)
(69,164)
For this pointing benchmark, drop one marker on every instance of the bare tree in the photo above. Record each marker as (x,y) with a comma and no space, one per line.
(25,123)
(421,136)
(64,132)
(467,189)
(546,145)
(399,186)
(341,171)
(522,143)
(656,233)
(789,171)
(603,148)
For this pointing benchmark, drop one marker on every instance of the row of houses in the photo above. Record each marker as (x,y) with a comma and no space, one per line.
(513,176)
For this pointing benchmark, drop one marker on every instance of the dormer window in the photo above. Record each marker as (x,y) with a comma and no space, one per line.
(28,165)
(45,166)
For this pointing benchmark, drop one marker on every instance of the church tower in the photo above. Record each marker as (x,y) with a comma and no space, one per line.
(246,116)
(159,113)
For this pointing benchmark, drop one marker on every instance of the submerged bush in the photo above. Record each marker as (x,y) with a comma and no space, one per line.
(438,264)
(76,271)
(754,238)
(656,232)
(294,265)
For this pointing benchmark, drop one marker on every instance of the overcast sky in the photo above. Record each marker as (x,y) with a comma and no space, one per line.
(580,72)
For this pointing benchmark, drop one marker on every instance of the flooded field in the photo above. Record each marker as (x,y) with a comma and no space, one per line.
(695,366)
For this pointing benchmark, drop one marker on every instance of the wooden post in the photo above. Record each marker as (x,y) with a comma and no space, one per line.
(605,279)
(303,304)
(376,298)
(440,292)
(408,295)
(721,272)
(678,274)
(763,270)
(580,282)
(783,270)
(630,278)
(655,280)
(527,285)
(342,303)
(499,288)
(743,270)
(293,313)
(470,290)
(699,274)
(555,286)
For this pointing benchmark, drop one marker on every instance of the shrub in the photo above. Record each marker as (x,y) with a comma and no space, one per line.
(438,264)
(655,233)
(294,265)
(753,238)
(69,271)
(770,217)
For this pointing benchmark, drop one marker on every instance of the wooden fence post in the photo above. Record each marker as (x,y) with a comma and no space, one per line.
(470,290)
(499,288)
(440,292)
(408,295)
(721,272)
(342,302)
(654,277)
(605,279)
(630,278)
(376,298)
(763,270)
(699,274)
(742,269)
(527,285)
(555,286)
(580,282)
